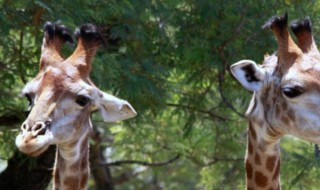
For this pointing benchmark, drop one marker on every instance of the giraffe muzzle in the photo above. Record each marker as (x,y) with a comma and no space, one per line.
(38,128)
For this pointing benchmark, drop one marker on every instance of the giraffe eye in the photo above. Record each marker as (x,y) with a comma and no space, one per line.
(82,100)
(291,92)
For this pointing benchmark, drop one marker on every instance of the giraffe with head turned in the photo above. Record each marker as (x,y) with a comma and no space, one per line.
(286,93)
(62,97)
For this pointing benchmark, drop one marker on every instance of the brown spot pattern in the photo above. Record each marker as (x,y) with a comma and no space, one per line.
(257,159)
(272,132)
(250,146)
(84,165)
(291,115)
(270,163)
(277,171)
(84,180)
(75,166)
(274,99)
(61,162)
(285,119)
(277,109)
(252,132)
(254,105)
(249,169)
(267,106)
(262,145)
(260,123)
(284,106)
(260,179)
(71,182)
(84,151)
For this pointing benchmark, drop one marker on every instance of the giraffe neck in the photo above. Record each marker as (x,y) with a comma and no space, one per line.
(262,157)
(72,165)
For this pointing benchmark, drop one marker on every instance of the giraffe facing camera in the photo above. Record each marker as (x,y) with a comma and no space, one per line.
(61,97)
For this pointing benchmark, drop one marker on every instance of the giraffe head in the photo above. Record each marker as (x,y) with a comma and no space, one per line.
(62,96)
(287,85)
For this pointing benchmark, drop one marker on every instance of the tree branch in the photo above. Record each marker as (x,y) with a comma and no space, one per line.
(225,63)
(236,32)
(215,160)
(126,176)
(121,162)
(20,62)
(198,110)
(224,99)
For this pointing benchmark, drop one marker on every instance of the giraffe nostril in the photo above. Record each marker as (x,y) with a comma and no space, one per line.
(42,131)
(25,127)
(37,127)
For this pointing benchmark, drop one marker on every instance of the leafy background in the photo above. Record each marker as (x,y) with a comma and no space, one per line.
(170,59)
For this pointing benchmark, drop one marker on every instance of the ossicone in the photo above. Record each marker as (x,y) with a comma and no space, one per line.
(303,31)
(288,50)
(56,30)
(89,33)
(277,22)
(301,25)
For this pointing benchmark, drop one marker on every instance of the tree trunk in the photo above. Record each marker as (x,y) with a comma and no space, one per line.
(101,174)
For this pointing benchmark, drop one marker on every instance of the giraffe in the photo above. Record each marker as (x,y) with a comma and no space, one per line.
(61,98)
(286,92)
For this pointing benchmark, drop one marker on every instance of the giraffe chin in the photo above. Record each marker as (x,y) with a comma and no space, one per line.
(38,152)
(31,147)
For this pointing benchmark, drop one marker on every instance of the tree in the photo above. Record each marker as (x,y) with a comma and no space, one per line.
(171,60)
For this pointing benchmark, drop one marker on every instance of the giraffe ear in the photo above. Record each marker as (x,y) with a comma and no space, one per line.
(114,109)
(249,74)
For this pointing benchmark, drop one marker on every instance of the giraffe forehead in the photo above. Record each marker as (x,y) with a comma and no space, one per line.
(305,77)
(306,65)
(53,79)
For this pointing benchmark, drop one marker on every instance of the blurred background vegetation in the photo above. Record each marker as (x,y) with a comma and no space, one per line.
(170,59)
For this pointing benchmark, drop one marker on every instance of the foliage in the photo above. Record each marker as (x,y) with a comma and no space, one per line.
(170,59)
